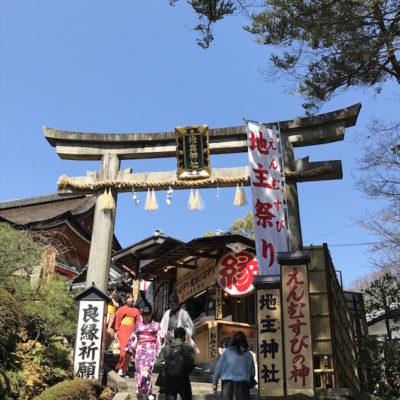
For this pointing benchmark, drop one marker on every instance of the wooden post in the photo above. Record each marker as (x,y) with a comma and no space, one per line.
(292,199)
(103,230)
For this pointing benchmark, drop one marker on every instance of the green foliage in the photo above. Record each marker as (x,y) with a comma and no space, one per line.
(382,295)
(17,250)
(324,45)
(71,390)
(381,359)
(12,384)
(52,314)
(370,358)
(381,363)
(36,321)
(244,226)
(209,12)
(9,324)
(331,45)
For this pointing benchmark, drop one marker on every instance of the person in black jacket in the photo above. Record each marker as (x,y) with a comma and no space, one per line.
(177,360)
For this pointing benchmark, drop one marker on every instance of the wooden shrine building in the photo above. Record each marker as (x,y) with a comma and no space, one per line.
(190,270)
(63,222)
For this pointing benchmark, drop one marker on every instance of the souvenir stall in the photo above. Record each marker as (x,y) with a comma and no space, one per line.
(213,279)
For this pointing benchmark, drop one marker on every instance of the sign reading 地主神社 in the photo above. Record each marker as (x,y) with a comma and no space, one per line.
(266,185)
(270,345)
(87,359)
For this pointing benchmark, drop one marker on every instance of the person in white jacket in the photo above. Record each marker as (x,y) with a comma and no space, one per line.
(176,317)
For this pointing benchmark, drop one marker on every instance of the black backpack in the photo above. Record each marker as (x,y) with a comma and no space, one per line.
(176,363)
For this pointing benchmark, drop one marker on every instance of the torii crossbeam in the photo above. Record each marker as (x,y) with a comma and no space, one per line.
(112,148)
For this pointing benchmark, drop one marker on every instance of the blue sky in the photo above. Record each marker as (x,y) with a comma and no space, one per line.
(134,66)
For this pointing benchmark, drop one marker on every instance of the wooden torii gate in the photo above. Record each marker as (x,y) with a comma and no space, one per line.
(112,148)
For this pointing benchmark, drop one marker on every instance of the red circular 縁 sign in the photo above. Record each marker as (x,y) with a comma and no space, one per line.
(235,273)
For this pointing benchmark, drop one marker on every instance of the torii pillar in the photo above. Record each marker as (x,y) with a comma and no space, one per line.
(112,148)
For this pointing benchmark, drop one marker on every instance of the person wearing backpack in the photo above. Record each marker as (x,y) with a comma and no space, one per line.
(177,361)
(235,369)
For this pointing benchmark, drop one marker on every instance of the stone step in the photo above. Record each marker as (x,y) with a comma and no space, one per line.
(119,384)
(195,396)
(126,388)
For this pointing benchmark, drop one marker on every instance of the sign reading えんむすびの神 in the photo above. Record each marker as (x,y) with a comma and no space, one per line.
(297,330)
(87,358)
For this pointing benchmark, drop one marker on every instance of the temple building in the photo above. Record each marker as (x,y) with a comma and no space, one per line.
(193,270)
(62,224)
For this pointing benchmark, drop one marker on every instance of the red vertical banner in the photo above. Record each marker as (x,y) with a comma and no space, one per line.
(269,343)
(297,330)
(270,228)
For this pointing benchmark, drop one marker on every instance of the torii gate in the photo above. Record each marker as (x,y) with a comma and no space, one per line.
(112,148)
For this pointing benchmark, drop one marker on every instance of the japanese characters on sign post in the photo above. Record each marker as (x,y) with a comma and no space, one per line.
(87,358)
(212,339)
(235,272)
(297,330)
(270,229)
(195,282)
(192,152)
(270,349)
(218,303)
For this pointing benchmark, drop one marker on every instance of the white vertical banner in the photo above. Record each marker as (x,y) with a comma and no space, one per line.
(270,229)
(89,339)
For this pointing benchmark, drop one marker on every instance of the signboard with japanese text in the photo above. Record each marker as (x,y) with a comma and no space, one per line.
(192,152)
(270,343)
(226,332)
(270,229)
(87,357)
(161,300)
(213,339)
(235,272)
(218,303)
(135,289)
(194,282)
(297,330)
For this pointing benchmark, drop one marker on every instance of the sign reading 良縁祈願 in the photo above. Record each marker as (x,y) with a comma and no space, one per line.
(89,333)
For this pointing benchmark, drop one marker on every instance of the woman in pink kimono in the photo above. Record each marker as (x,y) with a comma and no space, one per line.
(145,343)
